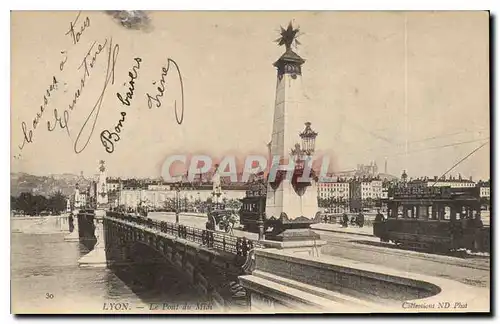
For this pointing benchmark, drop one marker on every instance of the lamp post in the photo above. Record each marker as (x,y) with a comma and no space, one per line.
(177,201)
(260,222)
(216,186)
(216,195)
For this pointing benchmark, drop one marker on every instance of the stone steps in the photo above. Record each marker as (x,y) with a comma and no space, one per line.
(290,295)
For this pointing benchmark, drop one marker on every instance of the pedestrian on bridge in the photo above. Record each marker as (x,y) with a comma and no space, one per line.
(345,220)
(231,220)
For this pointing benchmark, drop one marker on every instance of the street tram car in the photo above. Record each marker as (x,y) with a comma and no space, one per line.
(434,218)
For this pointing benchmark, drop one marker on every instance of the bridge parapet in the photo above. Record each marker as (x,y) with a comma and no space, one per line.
(240,246)
(211,262)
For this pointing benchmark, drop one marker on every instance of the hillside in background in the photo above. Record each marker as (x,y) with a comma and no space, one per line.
(45,185)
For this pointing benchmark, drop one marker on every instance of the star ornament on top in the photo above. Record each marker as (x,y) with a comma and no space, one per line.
(289,37)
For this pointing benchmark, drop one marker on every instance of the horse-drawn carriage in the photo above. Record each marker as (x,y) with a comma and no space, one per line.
(221,220)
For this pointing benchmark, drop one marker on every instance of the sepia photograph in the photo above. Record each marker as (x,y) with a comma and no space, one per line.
(250,162)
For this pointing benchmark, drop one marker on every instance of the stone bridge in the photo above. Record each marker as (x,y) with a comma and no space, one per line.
(235,273)
(210,262)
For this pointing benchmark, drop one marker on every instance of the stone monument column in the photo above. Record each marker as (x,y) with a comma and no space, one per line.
(290,202)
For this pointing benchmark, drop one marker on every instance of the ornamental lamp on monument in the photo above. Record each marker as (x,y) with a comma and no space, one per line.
(291,203)
(308,137)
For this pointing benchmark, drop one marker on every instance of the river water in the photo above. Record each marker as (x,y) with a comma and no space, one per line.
(46,278)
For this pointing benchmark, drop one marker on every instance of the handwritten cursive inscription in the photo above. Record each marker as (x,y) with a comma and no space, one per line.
(133,75)
(89,125)
(75,35)
(61,64)
(87,64)
(28,133)
(157,99)
(108,138)
(167,90)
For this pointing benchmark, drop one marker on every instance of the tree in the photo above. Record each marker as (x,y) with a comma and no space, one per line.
(57,203)
(14,203)
(40,204)
(25,202)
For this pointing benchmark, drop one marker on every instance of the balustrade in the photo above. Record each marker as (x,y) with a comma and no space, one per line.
(236,245)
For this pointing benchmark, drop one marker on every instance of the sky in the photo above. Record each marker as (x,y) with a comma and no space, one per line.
(419,99)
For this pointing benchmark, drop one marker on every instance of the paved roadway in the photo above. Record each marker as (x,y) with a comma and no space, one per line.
(470,270)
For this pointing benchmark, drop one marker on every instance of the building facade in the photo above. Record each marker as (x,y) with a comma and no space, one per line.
(334,196)
(484,189)
(337,189)
(157,196)
(364,193)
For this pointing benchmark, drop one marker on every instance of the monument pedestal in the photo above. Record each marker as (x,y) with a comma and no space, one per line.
(298,247)
(297,240)
(97,257)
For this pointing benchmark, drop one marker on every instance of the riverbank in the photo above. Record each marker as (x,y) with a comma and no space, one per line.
(25,217)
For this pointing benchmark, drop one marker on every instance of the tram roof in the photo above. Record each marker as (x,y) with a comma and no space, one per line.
(433,200)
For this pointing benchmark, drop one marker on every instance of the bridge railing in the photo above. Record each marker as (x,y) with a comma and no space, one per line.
(240,246)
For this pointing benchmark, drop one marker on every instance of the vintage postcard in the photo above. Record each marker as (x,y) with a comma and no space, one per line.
(250,162)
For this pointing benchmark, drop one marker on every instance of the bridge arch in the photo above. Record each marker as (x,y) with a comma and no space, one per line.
(211,273)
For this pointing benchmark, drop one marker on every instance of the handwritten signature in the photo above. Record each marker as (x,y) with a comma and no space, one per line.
(161,90)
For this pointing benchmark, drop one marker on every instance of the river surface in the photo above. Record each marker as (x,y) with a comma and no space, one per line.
(46,278)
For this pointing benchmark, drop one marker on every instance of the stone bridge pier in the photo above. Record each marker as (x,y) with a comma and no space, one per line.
(93,236)
(74,234)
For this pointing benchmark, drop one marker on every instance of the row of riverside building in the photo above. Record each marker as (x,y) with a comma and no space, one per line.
(342,194)
(345,194)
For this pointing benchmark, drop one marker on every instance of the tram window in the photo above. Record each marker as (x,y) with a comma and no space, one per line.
(447,213)
(400,211)
(422,212)
(429,212)
(392,211)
